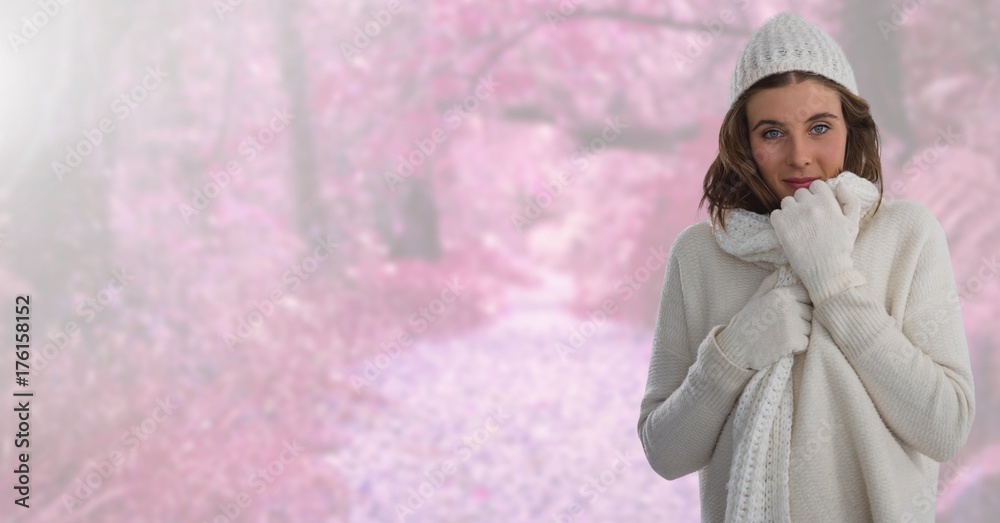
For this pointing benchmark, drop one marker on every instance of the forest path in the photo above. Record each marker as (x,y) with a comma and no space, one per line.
(497,425)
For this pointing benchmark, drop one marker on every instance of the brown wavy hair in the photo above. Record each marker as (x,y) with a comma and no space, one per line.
(734,180)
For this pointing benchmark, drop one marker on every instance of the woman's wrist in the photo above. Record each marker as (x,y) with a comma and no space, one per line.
(723,339)
(831,278)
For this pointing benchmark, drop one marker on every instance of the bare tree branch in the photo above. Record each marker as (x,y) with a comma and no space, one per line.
(660,21)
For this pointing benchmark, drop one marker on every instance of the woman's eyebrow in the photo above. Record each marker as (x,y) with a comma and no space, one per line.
(816,116)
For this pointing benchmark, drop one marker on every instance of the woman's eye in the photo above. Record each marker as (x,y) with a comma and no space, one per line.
(767,134)
(827,127)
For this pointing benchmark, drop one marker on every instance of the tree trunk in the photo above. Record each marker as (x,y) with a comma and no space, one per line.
(877,67)
(309,209)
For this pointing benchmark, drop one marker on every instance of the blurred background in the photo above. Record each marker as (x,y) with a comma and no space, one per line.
(343,261)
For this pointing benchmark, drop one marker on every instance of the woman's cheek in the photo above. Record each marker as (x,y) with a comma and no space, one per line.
(762,155)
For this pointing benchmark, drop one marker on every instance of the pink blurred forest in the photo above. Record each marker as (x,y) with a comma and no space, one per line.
(311,251)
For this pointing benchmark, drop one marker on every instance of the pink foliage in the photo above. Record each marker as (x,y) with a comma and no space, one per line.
(187,330)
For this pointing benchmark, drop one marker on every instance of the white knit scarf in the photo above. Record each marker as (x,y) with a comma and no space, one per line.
(762,428)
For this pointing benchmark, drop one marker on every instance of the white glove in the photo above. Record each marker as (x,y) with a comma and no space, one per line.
(774,323)
(818,238)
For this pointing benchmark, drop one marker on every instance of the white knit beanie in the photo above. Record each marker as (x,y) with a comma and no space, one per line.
(786,42)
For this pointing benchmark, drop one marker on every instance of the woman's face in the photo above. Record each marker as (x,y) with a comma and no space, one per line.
(797,131)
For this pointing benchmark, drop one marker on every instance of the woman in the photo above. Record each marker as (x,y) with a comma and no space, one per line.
(809,358)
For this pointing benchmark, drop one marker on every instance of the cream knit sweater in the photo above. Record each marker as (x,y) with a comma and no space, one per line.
(883,394)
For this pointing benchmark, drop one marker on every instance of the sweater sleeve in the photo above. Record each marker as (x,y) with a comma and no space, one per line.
(918,374)
(686,402)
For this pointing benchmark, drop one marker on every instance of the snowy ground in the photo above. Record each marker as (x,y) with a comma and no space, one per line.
(498,426)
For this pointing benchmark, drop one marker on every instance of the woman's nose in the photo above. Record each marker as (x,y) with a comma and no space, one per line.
(799,152)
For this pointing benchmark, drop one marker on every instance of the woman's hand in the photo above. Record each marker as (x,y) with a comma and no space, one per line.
(818,238)
(774,323)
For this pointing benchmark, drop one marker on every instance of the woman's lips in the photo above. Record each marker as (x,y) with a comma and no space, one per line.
(798,183)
